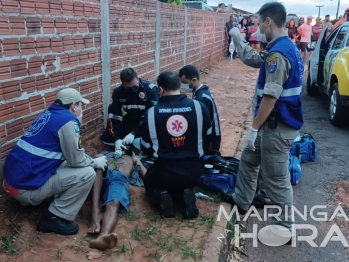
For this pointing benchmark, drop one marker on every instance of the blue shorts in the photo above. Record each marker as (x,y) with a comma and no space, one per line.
(116,187)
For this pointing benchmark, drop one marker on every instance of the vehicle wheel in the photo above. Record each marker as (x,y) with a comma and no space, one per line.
(312,90)
(338,113)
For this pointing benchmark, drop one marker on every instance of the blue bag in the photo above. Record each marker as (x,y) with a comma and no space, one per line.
(304,148)
(223,184)
(295,169)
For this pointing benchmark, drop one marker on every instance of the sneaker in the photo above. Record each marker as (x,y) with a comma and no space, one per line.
(53,224)
(166,205)
(190,210)
(229,198)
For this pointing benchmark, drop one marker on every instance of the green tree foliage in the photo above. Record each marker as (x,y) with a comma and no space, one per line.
(172,2)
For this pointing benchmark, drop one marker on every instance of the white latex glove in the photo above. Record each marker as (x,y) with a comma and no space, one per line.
(128,140)
(118,145)
(100,162)
(234,32)
(251,138)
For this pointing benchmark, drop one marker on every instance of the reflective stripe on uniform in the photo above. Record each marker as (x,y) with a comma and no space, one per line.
(215,116)
(209,131)
(119,118)
(152,131)
(38,151)
(200,124)
(145,144)
(285,93)
(142,107)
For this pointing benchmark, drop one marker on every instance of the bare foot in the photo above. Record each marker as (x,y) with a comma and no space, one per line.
(95,225)
(107,241)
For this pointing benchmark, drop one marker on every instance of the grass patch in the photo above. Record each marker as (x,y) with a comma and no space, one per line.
(231,226)
(189,253)
(120,250)
(207,221)
(59,254)
(156,255)
(7,243)
(139,234)
(131,215)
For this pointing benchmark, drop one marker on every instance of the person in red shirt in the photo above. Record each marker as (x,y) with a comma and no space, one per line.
(317,28)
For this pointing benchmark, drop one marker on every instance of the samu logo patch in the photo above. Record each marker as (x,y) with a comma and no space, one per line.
(77,128)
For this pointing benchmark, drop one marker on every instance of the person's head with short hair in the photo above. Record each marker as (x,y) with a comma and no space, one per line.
(309,19)
(272,19)
(169,83)
(327,18)
(71,99)
(301,21)
(317,20)
(129,79)
(190,78)
(232,18)
(250,18)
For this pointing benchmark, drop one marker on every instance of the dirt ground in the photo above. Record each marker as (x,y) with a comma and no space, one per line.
(142,234)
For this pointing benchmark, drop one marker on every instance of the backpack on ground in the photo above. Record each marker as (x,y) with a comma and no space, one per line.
(304,148)
(295,169)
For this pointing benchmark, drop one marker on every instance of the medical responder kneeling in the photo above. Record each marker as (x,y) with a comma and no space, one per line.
(128,104)
(48,161)
(174,132)
(278,118)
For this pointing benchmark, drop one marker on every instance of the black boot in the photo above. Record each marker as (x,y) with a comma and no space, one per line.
(167,209)
(229,198)
(50,223)
(190,209)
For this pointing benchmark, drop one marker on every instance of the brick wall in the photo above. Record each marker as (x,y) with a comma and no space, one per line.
(47,45)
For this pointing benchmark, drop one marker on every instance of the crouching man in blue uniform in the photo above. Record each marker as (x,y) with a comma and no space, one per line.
(278,118)
(48,161)
(190,79)
(174,132)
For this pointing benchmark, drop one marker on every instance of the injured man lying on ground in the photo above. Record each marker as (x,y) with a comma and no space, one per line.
(113,188)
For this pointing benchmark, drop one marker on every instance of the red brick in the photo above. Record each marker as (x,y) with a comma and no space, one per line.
(27,46)
(48,62)
(5,72)
(33,25)
(34,65)
(78,8)
(79,42)
(10,6)
(83,27)
(20,108)
(28,84)
(72,26)
(68,43)
(56,79)
(43,45)
(50,98)
(3,134)
(48,25)
(42,7)
(68,77)
(88,70)
(36,103)
(88,9)
(27,6)
(97,69)
(92,56)
(64,61)
(83,57)
(55,7)
(18,68)
(96,11)
(73,59)
(4,26)
(88,41)
(42,83)
(79,73)
(6,112)
(67,7)
(11,89)
(61,25)
(97,40)
(17,26)
(93,26)
(57,44)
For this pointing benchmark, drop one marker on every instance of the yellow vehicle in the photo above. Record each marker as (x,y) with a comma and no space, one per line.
(328,72)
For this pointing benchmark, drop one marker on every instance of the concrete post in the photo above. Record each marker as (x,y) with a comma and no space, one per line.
(185,35)
(157,38)
(105,55)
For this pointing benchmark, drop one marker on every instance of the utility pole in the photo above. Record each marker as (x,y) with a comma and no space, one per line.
(339,2)
(319,6)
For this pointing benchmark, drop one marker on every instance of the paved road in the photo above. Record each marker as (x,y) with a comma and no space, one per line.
(314,189)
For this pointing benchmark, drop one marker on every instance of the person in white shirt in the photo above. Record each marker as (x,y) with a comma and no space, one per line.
(305,30)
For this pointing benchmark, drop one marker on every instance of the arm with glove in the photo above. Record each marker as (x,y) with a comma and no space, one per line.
(247,54)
